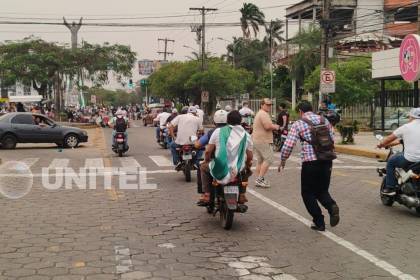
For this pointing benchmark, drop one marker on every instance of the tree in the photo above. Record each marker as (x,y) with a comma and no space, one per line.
(274,32)
(354,83)
(184,80)
(44,65)
(252,17)
(308,58)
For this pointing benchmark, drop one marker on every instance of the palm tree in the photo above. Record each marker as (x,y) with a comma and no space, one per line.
(274,31)
(252,17)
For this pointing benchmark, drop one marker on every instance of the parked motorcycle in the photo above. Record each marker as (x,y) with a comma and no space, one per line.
(187,155)
(279,137)
(224,199)
(408,189)
(120,147)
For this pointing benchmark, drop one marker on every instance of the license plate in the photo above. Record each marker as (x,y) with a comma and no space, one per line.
(232,190)
(119,140)
(186,157)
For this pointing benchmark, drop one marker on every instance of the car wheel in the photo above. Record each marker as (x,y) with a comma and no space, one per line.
(9,142)
(71,141)
(394,126)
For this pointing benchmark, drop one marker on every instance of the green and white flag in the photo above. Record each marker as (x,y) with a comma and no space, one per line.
(231,156)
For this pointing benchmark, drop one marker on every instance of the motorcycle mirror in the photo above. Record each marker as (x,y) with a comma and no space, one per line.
(193,138)
(379,137)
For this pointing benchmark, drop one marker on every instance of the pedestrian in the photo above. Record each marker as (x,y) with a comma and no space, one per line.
(262,137)
(317,140)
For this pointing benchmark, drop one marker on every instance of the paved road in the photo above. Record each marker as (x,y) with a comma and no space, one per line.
(111,233)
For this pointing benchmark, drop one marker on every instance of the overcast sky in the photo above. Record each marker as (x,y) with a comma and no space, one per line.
(142,40)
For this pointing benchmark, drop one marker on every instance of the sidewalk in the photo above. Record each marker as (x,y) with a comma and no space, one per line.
(364,145)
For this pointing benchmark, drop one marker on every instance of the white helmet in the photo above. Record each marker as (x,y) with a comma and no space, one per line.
(220,117)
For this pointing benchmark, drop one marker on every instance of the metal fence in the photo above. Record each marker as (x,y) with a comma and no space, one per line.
(254,104)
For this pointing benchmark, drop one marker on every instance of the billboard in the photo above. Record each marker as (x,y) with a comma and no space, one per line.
(147,67)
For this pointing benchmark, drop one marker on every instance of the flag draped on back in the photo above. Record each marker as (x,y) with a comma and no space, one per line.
(230,159)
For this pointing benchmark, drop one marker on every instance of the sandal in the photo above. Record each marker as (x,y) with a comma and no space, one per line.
(204,199)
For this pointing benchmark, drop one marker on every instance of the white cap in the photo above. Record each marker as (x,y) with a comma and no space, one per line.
(415,113)
(197,106)
(174,111)
(220,116)
(192,110)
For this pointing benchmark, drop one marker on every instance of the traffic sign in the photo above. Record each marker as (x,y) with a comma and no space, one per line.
(410,58)
(93,99)
(327,84)
(204,96)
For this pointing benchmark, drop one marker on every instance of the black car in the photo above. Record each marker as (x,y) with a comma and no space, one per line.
(35,128)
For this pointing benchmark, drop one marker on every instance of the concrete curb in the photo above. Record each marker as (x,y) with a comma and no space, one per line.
(355,151)
(80,125)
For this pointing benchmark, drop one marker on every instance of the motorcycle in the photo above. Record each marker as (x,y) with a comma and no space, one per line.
(120,147)
(163,138)
(279,139)
(247,122)
(224,199)
(187,154)
(408,188)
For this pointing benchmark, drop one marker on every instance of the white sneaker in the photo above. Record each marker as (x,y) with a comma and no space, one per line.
(262,183)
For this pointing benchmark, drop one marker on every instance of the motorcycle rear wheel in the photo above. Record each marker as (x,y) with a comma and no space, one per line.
(226,216)
(120,153)
(386,200)
(187,172)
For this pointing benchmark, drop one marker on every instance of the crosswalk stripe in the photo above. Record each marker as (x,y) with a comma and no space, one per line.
(94,163)
(29,161)
(161,161)
(59,162)
(129,162)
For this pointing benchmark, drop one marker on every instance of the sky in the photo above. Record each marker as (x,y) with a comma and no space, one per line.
(143,40)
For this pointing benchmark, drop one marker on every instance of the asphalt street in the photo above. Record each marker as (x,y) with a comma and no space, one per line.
(101,231)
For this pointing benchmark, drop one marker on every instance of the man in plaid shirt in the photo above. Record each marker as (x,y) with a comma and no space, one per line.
(316,174)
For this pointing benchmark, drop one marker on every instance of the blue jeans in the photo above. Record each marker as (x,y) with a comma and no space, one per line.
(174,152)
(397,161)
(157,133)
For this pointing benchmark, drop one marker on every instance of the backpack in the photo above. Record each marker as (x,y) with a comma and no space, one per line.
(120,125)
(321,140)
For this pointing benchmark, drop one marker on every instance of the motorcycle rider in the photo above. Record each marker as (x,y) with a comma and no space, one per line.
(229,153)
(283,117)
(188,125)
(162,119)
(410,134)
(200,113)
(245,110)
(220,120)
(119,123)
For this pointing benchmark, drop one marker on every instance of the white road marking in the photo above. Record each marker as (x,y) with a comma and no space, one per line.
(161,161)
(346,244)
(29,161)
(129,162)
(94,163)
(123,258)
(59,163)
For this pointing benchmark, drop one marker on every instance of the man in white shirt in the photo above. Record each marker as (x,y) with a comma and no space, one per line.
(188,125)
(161,118)
(410,134)
(245,110)
(200,113)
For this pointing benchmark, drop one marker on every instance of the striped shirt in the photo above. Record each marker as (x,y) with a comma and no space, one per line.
(301,131)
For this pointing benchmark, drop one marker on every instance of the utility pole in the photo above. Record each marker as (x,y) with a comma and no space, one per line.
(165,53)
(203,10)
(326,27)
(271,61)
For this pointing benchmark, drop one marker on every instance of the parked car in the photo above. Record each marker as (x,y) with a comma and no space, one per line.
(394,121)
(36,128)
(148,118)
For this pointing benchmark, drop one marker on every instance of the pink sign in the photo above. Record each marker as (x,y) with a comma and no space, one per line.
(410,58)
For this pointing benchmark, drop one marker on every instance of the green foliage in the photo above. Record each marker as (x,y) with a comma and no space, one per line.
(354,83)
(184,80)
(251,18)
(114,98)
(37,62)
(282,86)
(308,58)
